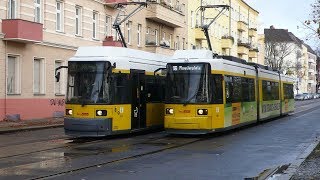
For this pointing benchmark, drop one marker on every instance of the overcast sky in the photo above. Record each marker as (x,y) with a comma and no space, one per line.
(284,14)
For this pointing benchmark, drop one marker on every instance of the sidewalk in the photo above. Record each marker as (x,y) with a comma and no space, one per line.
(8,126)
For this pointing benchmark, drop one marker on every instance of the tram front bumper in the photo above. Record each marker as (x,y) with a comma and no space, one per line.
(87,127)
(194,123)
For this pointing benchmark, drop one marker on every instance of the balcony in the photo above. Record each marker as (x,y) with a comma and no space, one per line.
(164,14)
(112,3)
(253,32)
(243,48)
(242,26)
(311,70)
(227,42)
(20,30)
(310,60)
(109,41)
(160,50)
(151,40)
(311,81)
(199,34)
(253,54)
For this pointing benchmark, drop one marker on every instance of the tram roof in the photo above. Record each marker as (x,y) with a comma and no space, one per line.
(100,53)
(227,63)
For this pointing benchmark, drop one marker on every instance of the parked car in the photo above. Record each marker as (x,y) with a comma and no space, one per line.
(300,97)
(308,95)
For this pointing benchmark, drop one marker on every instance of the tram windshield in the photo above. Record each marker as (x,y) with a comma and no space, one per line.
(188,83)
(89,83)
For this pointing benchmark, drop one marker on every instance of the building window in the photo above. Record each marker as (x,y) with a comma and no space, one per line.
(94,24)
(148,30)
(37,11)
(38,76)
(12,9)
(108,26)
(170,40)
(59,89)
(177,43)
(78,20)
(13,77)
(156,36)
(192,20)
(183,43)
(129,25)
(59,16)
(139,34)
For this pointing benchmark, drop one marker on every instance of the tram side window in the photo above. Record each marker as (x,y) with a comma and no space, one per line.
(237,89)
(248,90)
(270,90)
(122,88)
(155,89)
(229,89)
(275,90)
(266,90)
(288,91)
(217,92)
(233,89)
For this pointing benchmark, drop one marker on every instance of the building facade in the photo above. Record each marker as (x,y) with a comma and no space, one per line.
(233,33)
(296,58)
(38,36)
(312,69)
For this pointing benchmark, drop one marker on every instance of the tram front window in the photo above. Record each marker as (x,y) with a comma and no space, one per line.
(188,83)
(89,83)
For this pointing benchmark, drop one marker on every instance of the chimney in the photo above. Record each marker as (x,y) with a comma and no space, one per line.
(272,27)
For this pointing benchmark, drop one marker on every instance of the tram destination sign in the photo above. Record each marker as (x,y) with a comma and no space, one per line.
(193,68)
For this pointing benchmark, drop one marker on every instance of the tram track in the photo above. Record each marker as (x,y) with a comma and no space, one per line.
(312,106)
(141,145)
(168,147)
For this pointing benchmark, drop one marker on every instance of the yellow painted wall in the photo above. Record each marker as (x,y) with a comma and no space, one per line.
(225,25)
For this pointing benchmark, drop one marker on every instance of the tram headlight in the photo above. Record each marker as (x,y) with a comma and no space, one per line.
(169,111)
(69,111)
(202,111)
(101,112)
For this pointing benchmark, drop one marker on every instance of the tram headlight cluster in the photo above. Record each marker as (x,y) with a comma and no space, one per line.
(169,111)
(101,112)
(69,112)
(202,111)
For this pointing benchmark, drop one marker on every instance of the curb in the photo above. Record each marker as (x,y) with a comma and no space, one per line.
(293,167)
(28,128)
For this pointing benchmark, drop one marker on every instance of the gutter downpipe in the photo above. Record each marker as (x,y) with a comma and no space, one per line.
(5,75)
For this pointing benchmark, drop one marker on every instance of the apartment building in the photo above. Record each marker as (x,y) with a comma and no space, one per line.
(233,33)
(297,59)
(38,36)
(312,71)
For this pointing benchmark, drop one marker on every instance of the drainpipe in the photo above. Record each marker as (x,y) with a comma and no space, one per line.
(5,79)
(5,75)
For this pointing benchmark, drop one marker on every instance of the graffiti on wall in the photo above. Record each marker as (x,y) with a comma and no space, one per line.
(57,102)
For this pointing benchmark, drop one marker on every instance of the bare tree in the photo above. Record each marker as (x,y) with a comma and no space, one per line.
(312,24)
(276,52)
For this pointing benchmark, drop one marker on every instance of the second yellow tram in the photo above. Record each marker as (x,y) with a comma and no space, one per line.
(206,94)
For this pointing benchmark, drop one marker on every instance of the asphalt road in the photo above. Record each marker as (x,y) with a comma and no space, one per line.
(233,155)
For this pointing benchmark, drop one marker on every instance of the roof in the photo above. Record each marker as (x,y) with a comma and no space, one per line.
(281,35)
(310,50)
(249,6)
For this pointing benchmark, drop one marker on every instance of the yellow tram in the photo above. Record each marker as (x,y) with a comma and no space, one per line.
(113,90)
(206,94)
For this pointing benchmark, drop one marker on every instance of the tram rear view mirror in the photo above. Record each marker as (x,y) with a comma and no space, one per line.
(160,71)
(58,73)
(57,77)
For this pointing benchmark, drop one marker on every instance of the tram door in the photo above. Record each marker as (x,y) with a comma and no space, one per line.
(138,112)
